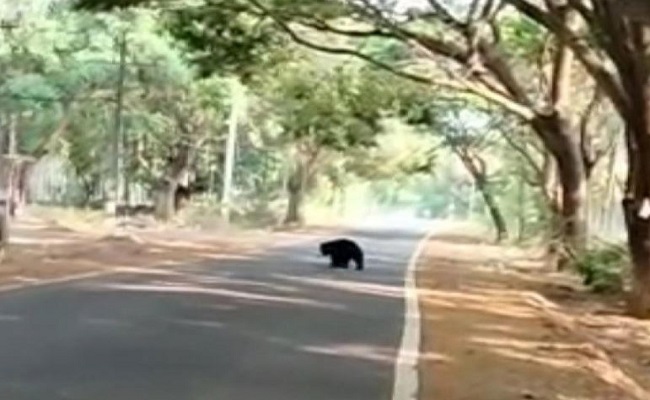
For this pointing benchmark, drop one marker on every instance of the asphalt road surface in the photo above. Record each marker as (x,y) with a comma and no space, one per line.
(278,326)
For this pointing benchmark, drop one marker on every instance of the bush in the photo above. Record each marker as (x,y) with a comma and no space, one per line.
(202,213)
(602,267)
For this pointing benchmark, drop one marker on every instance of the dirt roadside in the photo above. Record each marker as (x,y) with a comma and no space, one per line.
(41,250)
(496,326)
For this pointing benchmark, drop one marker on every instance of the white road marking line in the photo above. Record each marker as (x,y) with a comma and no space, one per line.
(406,383)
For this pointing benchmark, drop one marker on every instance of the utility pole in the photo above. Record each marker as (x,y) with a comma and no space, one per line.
(237,98)
(119,124)
(7,23)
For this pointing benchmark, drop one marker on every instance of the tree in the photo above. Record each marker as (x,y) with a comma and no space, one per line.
(58,81)
(468,144)
(607,37)
(219,37)
(401,151)
(468,133)
(186,118)
(320,111)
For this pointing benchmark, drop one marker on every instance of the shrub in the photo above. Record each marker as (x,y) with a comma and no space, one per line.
(602,267)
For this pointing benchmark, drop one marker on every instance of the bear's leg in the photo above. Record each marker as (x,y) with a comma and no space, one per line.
(336,261)
(359,262)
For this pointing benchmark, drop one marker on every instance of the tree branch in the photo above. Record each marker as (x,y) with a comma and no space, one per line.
(445,16)
(349,52)
(562,64)
(457,83)
(598,68)
(320,25)
(537,169)
(446,48)
(585,12)
(498,66)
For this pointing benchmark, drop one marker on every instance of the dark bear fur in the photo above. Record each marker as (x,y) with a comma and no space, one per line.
(341,252)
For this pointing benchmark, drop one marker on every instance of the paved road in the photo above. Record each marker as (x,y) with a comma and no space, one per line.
(279,326)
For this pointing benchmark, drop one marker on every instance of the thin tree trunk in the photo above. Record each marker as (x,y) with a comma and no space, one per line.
(495,212)
(295,191)
(521,210)
(12,152)
(294,214)
(299,181)
(23,184)
(7,171)
(4,228)
(477,170)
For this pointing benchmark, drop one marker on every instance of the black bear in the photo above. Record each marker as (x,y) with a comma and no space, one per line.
(341,252)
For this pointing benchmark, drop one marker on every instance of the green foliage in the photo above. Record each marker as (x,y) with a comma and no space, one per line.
(167,120)
(218,36)
(59,79)
(400,152)
(83,153)
(222,37)
(522,38)
(388,51)
(446,194)
(602,267)
(333,109)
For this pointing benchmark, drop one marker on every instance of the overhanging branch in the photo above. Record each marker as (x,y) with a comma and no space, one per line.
(456,83)
(593,62)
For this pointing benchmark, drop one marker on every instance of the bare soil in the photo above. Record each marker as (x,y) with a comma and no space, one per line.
(65,244)
(498,326)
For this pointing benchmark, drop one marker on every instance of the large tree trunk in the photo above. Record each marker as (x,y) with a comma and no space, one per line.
(636,207)
(639,242)
(633,104)
(574,194)
(164,199)
(565,148)
(22,188)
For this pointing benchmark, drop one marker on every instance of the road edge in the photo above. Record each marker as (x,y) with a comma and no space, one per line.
(83,276)
(406,383)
